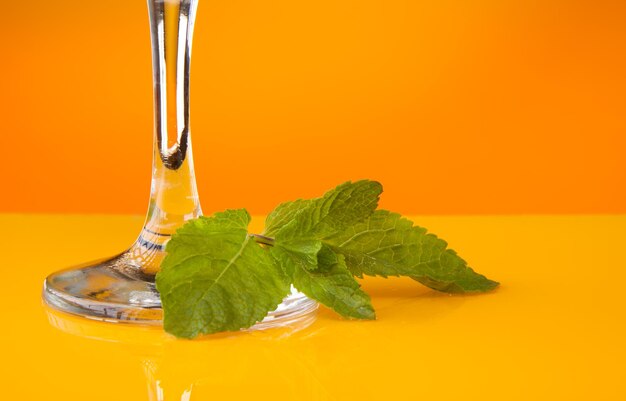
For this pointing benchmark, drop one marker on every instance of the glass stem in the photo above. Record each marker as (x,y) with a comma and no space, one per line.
(174,196)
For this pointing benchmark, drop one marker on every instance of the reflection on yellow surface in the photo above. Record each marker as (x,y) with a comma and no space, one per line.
(239,364)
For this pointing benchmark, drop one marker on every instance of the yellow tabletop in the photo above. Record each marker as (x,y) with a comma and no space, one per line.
(554,330)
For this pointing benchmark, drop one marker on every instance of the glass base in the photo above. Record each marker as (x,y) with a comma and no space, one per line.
(104,290)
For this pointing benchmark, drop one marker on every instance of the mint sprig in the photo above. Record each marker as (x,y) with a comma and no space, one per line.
(218,277)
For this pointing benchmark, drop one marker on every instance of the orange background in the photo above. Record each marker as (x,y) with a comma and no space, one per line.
(457,107)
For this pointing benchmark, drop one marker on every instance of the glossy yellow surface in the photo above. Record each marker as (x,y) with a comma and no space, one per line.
(554,330)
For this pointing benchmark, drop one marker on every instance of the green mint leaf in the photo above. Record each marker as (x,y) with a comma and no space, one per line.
(386,244)
(283,214)
(216,278)
(333,285)
(297,254)
(347,204)
(297,226)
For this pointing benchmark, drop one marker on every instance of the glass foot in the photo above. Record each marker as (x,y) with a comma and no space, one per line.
(103,290)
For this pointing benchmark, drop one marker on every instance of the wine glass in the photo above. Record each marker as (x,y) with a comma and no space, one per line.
(121,288)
